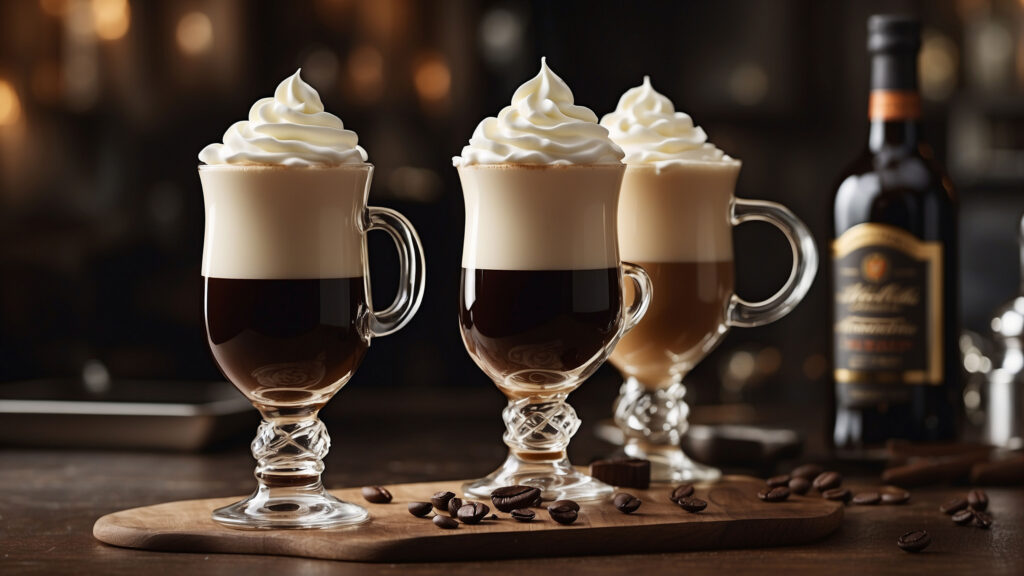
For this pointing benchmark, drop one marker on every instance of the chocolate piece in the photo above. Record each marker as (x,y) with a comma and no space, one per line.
(931,471)
(625,473)
(1008,472)
(376,494)
(508,498)
(626,502)
(914,541)
(420,509)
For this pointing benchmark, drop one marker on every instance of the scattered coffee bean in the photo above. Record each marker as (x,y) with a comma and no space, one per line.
(798,485)
(691,504)
(965,516)
(445,522)
(453,507)
(420,509)
(780,480)
(827,481)
(982,519)
(681,491)
(867,498)
(978,500)
(893,495)
(953,505)
(473,512)
(523,514)
(440,499)
(563,513)
(776,494)
(560,503)
(837,494)
(508,498)
(625,472)
(626,503)
(376,494)
(807,471)
(914,541)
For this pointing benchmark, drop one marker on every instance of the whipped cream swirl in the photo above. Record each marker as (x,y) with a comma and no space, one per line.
(650,131)
(290,129)
(542,126)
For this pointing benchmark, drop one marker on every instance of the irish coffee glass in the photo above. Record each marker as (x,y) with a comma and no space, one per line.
(289,318)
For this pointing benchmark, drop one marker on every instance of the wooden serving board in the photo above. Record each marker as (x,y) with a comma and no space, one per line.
(734,518)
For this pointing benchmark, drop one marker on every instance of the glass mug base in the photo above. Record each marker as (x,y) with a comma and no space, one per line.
(557,480)
(280,508)
(671,464)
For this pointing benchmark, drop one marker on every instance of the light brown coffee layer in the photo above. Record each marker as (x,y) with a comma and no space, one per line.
(525,217)
(271,222)
(685,321)
(680,213)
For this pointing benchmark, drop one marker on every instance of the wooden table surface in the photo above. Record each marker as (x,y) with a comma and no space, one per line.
(49,500)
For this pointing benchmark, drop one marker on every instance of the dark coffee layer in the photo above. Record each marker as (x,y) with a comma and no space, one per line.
(683,322)
(542,322)
(286,342)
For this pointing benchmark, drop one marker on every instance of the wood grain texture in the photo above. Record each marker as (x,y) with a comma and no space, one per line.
(735,518)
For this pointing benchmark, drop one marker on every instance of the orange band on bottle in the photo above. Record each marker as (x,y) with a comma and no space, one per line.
(894,105)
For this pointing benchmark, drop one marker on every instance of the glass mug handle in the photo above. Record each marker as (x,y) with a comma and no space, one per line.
(745,314)
(413,274)
(644,291)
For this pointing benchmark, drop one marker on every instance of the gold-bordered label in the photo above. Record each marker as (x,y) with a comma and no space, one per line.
(894,105)
(887,309)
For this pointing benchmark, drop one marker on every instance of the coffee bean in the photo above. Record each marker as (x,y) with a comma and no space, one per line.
(691,504)
(965,516)
(376,494)
(473,512)
(827,481)
(953,505)
(893,495)
(445,522)
(560,503)
(799,485)
(626,503)
(523,514)
(440,499)
(420,509)
(914,541)
(776,494)
(563,513)
(453,507)
(780,480)
(978,500)
(837,494)
(807,471)
(508,498)
(867,498)
(982,519)
(681,491)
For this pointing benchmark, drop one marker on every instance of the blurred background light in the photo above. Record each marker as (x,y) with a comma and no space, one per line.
(366,69)
(748,84)
(111,18)
(433,78)
(939,61)
(194,33)
(320,67)
(56,8)
(501,35)
(10,104)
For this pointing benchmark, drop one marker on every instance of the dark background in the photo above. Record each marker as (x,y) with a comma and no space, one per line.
(104,105)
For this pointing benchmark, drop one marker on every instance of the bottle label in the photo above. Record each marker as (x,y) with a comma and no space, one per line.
(886,105)
(888,312)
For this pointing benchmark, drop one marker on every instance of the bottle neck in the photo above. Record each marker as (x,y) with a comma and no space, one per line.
(894,106)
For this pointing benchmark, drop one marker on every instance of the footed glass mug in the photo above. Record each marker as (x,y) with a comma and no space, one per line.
(289,318)
(542,307)
(677,222)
